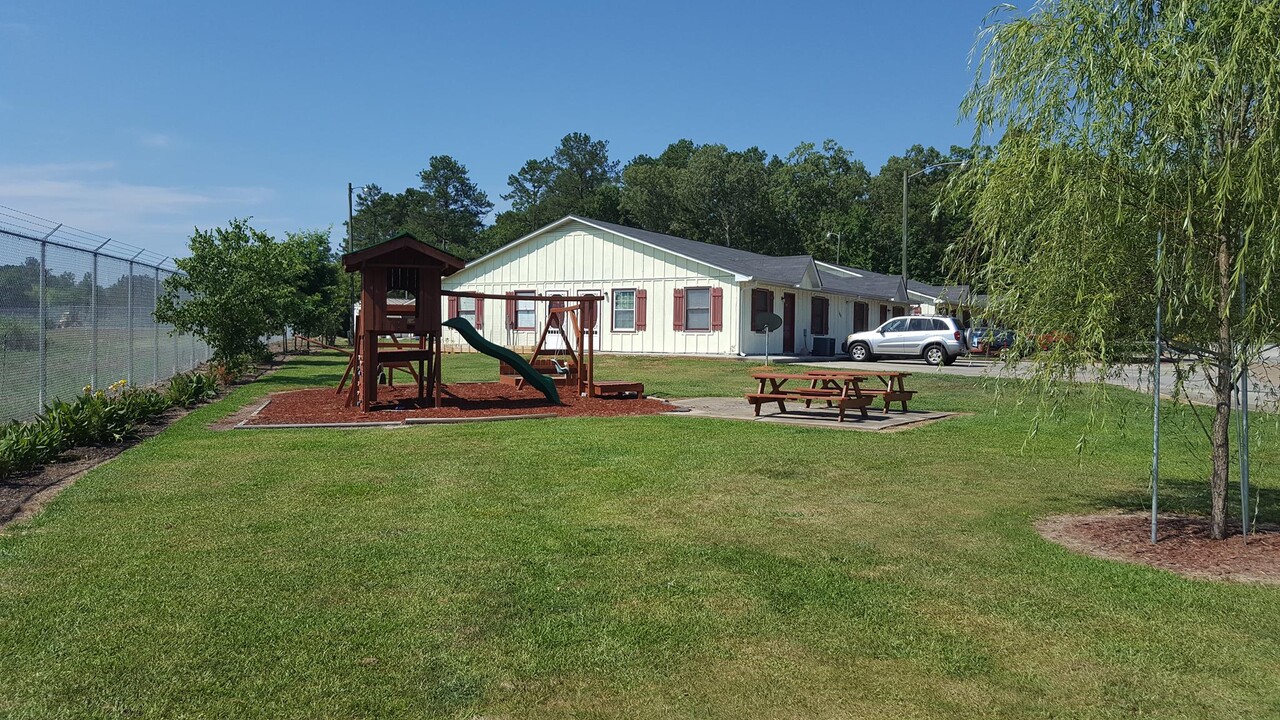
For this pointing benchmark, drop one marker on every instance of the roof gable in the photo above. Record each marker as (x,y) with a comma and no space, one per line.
(404,250)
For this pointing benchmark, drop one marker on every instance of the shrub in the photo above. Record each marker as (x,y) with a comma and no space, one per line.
(187,389)
(25,446)
(231,370)
(95,417)
(16,336)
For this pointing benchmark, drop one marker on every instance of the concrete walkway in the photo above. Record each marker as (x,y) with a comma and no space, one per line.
(818,416)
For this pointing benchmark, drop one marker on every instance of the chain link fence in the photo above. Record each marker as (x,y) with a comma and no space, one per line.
(77,309)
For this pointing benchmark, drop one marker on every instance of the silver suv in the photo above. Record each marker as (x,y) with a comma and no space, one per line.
(939,340)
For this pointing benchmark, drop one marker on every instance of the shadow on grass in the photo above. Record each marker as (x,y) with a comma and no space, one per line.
(1192,498)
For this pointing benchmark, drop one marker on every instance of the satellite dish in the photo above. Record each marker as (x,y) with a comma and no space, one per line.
(768,321)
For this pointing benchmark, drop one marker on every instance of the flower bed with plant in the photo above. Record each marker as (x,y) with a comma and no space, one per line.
(95,418)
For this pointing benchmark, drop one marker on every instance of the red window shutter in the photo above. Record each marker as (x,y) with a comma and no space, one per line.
(453,307)
(642,308)
(717,308)
(511,312)
(479,313)
(677,310)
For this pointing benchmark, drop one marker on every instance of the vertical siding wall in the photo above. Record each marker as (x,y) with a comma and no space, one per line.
(576,258)
(839,318)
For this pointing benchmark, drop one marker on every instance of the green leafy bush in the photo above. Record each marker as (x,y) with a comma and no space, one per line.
(95,417)
(16,336)
(25,446)
(187,389)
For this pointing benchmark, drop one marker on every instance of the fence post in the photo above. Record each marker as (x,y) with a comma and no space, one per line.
(93,324)
(41,334)
(128,375)
(155,327)
(176,362)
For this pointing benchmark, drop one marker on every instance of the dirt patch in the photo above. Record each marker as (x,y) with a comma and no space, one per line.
(324,405)
(1183,546)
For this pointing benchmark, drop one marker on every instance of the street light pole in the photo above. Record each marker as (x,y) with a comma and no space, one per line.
(905,178)
(838,241)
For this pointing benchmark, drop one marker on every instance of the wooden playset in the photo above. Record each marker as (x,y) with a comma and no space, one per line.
(415,268)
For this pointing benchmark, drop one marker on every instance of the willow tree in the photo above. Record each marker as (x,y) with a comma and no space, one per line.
(1121,122)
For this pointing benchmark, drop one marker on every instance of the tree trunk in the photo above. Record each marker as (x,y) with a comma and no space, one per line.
(1222,387)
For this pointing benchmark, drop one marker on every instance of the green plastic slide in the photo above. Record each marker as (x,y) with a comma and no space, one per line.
(473,337)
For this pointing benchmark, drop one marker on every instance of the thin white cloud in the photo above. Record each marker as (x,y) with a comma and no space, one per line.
(152,216)
(156,140)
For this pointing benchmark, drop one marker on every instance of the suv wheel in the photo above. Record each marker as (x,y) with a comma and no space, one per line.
(859,352)
(936,355)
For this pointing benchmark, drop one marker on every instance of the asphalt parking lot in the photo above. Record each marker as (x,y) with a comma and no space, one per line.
(1264,389)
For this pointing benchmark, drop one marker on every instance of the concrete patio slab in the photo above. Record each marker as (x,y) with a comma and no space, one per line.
(818,416)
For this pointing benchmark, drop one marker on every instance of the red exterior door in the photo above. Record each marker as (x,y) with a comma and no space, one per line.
(788,322)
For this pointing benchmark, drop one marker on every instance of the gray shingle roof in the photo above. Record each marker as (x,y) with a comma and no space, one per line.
(788,270)
(783,270)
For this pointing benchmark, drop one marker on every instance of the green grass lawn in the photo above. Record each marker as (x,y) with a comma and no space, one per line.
(644,567)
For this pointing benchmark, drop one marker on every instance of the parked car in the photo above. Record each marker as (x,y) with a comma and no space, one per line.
(989,340)
(939,340)
(69,319)
(1049,339)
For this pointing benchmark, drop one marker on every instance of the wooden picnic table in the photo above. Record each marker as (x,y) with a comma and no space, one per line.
(838,388)
(894,382)
(841,392)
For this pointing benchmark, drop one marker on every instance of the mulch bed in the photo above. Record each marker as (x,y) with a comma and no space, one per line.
(461,400)
(1183,546)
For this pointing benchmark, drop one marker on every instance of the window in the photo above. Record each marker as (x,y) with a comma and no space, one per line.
(524,311)
(899,325)
(940,324)
(818,313)
(761,302)
(921,324)
(624,310)
(467,309)
(697,309)
(899,311)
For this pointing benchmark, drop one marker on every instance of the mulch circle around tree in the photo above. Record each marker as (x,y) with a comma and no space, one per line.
(461,400)
(1183,545)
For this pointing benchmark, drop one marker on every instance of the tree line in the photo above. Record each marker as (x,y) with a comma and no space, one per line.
(818,200)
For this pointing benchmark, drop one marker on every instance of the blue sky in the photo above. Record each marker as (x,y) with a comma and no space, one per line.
(140,120)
